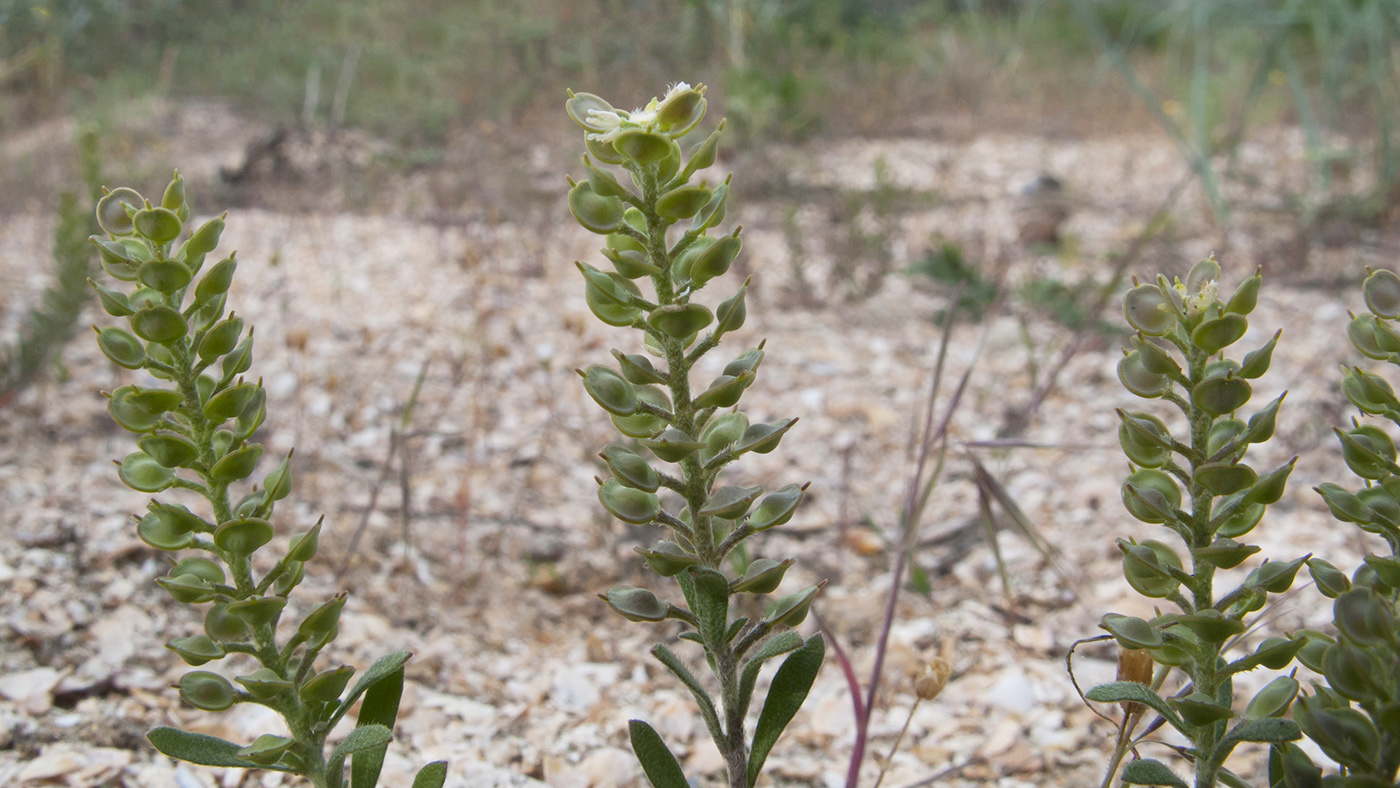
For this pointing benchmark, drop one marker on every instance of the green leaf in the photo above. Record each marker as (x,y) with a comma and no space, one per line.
(1120,691)
(773,647)
(785,696)
(200,749)
(381,707)
(660,765)
(1269,730)
(432,775)
(1149,772)
(383,668)
(708,595)
(707,707)
(362,738)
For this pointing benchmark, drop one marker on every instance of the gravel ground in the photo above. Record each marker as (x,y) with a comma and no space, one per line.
(520,673)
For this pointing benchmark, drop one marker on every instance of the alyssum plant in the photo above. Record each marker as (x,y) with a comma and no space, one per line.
(657,227)
(1227,500)
(1362,664)
(194,420)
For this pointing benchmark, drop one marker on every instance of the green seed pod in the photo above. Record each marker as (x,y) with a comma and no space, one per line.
(115,260)
(713,212)
(203,315)
(321,623)
(1361,331)
(1246,296)
(1256,362)
(1274,699)
(681,110)
(1211,626)
(165,276)
(160,225)
(278,484)
(630,264)
(603,183)
(1386,570)
(220,625)
(120,347)
(1368,450)
(1151,496)
(264,684)
(1144,439)
(1131,632)
(642,147)
(1202,274)
(630,469)
(628,504)
(1155,358)
(1224,553)
(732,311)
(242,537)
(720,434)
(266,750)
(791,610)
(1343,505)
(221,339)
(748,361)
(303,546)
(679,321)
(1147,310)
(1382,503)
(1199,709)
(259,610)
(1382,292)
(207,691)
(159,324)
(170,450)
(724,391)
(1387,338)
(237,465)
(216,281)
(682,263)
(1147,567)
(1218,333)
(1351,672)
(174,198)
(643,424)
(1274,576)
(715,260)
(638,369)
(1135,377)
(763,438)
(113,302)
(1368,392)
(702,155)
(1275,653)
(231,402)
(112,214)
(763,576)
(593,211)
(163,533)
(635,604)
(683,202)
(610,390)
(776,508)
(1220,396)
(142,473)
(673,445)
(197,650)
(1344,734)
(1261,424)
(602,151)
(187,588)
(1223,478)
(1330,580)
(730,502)
(668,559)
(1362,617)
(1221,440)
(1315,646)
(326,686)
(128,414)
(582,108)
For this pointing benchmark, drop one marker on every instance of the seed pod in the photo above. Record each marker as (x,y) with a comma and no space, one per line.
(237,465)
(681,111)
(142,473)
(1276,696)
(220,625)
(673,445)
(1211,626)
(259,610)
(763,576)
(1385,569)
(120,347)
(303,546)
(216,281)
(163,533)
(628,504)
(593,211)
(610,390)
(160,225)
(1363,617)
(668,559)
(1218,333)
(1256,362)
(159,324)
(112,214)
(1144,439)
(1361,331)
(1368,392)
(1330,580)
(638,369)
(721,433)
(264,684)
(1219,396)
(635,604)
(207,691)
(777,507)
(1344,505)
(242,537)
(1246,296)
(221,339)
(1382,292)
(713,212)
(1224,478)
(1274,576)
(1368,451)
(1151,496)
(683,202)
(1135,377)
(1224,553)
(792,609)
(763,438)
(642,147)
(326,686)
(1202,274)
(1387,338)
(630,468)
(1147,310)
(231,402)
(679,321)
(1148,566)
(174,197)
(643,424)
(320,624)
(724,391)
(730,502)
(604,184)
(128,414)
(1351,672)
(165,276)
(113,302)
(702,155)
(583,108)
(1199,709)
(197,650)
(1242,521)
(266,750)
(935,677)
(715,260)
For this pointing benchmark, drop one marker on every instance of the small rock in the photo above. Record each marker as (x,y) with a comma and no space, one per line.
(31,690)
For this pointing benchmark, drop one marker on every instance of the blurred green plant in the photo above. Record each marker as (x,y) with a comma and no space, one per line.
(656,222)
(1355,718)
(49,326)
(1228,500)
(195,435)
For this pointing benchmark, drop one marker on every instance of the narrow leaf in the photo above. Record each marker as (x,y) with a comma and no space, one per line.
(432,775)
(1131,691)
(384,667)
(774,646)
(790,686)
(381,707)
(660,765)
(707,707)
(1149,772)
(200,749)
(1269,730)
(362,738)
